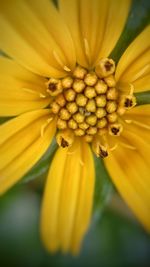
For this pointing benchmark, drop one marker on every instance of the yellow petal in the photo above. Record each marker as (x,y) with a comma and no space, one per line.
(134,65)
(115,19)
(68,198)
(130,174)
(142,84)
(94,26)
(57,28)
(71,15)
(138,120)
(23,141)
(29,33)
(133,137)
(20,90)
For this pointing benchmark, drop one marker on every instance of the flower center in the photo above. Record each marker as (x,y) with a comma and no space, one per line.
(86,104)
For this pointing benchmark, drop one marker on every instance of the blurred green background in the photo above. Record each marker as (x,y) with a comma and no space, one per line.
(114,239)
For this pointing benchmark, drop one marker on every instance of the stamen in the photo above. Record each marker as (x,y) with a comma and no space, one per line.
(87,48)
(127,145)
(131,89)
(114,147)
(141,124)
(58,59)
(42,96)
(43,127)
(34,92)
(141,73)
(66,68)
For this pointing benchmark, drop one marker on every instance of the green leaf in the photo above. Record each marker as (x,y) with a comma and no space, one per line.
(138,19)
(103,186)
(4,119)
(42,166)
(143,98)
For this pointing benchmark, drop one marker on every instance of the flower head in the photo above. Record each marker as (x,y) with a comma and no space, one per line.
(61,81)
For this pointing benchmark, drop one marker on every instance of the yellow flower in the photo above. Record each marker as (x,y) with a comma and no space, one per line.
(60,78)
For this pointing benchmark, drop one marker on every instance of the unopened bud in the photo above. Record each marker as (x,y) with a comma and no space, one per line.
(90,92)
(70,94)
(110,80)
(79,72)
(78,85)
(101,87)
(67,82)
(90,79)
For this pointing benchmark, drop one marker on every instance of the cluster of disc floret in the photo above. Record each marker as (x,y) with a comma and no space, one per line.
(86,103)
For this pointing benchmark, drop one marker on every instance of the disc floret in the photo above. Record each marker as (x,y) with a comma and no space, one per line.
(87,103)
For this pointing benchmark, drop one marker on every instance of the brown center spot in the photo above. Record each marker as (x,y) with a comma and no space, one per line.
(128,103)
(52,87)
(103,153)
(64,143)
(108,66)
(115,131)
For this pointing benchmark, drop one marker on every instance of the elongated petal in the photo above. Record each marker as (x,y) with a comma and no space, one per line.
(20,90)
(71,14)
(33,33)
(116,17)
(130,174)
(134,65)
(95,26)
(23,141)
(68,198)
